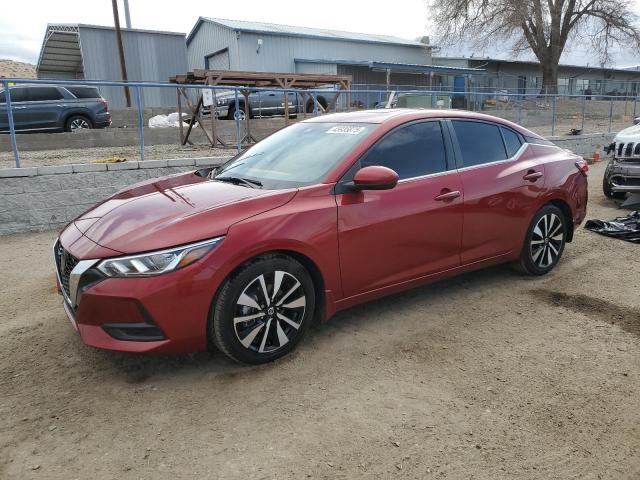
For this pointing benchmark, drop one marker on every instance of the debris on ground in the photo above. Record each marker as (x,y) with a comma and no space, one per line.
(113,159)
(626,228)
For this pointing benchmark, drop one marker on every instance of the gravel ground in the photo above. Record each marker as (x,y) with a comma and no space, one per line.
(68,156)
(489,375)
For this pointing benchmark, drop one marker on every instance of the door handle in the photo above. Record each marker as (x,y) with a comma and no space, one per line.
(447,194)
(532,176)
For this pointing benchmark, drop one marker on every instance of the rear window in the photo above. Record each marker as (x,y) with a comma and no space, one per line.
(43,94)
(84,92)
(511,141)
(479,142)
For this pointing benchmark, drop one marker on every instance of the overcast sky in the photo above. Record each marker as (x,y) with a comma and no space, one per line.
(23,22)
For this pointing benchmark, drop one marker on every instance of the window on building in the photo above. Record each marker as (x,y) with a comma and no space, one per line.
(411,151)
(479,142)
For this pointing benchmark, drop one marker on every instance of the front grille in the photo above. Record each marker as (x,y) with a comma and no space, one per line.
(628,152)
(65,263)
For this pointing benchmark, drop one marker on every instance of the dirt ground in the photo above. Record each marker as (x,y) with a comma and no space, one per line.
(490,375)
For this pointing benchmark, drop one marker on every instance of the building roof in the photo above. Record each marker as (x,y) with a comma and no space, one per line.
(400,67)
(296,31)
(533,62)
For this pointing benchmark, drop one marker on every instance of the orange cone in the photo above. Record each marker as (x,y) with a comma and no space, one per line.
(596,154)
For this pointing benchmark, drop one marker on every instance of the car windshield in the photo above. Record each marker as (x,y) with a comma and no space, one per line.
(302,154)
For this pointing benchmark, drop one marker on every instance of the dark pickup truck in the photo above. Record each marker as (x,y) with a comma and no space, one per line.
(43,108)
(263,103)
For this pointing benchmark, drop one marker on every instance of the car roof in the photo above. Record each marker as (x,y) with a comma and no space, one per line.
(398,116)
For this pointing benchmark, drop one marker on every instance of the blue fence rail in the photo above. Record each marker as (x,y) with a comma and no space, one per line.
(514,106)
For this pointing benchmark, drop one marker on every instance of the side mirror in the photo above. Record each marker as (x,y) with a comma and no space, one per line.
(374,177)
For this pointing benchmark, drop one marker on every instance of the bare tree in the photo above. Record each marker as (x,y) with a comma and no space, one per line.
(542,26)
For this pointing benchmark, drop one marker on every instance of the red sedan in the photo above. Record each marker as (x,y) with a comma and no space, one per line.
(320,216)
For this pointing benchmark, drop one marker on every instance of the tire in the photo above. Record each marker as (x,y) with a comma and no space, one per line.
(77,122)
(231,113)
(606,189)
(544,242)
(272,326)
(321,101)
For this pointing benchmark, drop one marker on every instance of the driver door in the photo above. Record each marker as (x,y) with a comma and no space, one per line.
(413,230)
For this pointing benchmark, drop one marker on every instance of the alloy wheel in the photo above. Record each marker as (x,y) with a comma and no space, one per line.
(79,124)
(269,312)
(547,240)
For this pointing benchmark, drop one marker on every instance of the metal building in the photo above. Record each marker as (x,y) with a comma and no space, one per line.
(524,76)
(75,51)
(372,60)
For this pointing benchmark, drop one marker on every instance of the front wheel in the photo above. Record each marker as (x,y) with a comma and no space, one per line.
(263,310)
(545,241)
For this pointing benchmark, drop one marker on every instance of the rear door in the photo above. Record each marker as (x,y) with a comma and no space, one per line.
(390,236)
(502,180)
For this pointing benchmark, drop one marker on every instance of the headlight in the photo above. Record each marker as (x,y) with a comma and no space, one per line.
(157,263)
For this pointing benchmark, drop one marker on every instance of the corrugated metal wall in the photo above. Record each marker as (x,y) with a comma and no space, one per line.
(209,39)
(277,53)
(149,57)
(317,68)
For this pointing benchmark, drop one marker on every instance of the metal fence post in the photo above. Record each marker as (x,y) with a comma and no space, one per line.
(315,105)
(520,100)
(140,121)
(236,116)
(610,112)
(584,109)
(12,127)
(553,115)
(635,104)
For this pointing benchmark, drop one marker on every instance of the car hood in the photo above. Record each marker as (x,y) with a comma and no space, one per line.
(631,134)
(173,211)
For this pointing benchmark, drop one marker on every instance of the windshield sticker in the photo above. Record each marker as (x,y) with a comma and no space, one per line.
(345,130)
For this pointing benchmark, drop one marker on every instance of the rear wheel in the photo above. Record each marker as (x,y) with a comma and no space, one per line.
(545,241)
(263,310)
(78,122)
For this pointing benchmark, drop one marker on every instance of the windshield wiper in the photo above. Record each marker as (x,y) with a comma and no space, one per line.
(239,180)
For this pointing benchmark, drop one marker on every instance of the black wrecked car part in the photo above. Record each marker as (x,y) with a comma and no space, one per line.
(626,228)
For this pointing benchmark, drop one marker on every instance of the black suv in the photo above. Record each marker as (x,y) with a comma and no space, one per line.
(54,108)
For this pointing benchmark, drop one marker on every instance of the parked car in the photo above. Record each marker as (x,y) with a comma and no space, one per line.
(320,216)
(42,108)
(622,175)
(263,103)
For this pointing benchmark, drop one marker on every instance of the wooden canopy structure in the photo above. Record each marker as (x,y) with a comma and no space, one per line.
(245,81)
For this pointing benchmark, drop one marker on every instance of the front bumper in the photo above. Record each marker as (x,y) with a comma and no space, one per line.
(624,176)
(167,314)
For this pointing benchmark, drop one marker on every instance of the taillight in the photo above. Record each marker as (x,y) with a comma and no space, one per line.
(104,103)
(583,166)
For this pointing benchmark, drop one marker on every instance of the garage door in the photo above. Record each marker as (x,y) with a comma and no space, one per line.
(217,61)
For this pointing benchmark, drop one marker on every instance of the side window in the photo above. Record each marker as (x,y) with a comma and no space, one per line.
(412,151)
(39,94)
(511,141)
(17,95)
(479,142)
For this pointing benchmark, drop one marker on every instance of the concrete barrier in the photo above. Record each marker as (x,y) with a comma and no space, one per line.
(44,198)
(121,137)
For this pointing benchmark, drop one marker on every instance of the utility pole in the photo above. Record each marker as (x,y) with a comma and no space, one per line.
(127,15)
(123,67)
